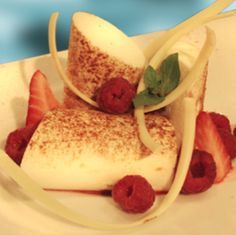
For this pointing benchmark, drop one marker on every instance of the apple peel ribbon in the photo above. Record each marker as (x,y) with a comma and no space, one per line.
(53,51)
(204,16)
(194,74)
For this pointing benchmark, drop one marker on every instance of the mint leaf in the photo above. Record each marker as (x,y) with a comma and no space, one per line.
(151,78)
(158,85)
(170,74)
(146,98)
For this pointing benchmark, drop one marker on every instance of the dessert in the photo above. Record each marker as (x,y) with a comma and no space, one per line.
(61,143)
(71,144)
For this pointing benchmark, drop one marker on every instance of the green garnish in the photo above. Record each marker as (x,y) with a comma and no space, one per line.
(159,84)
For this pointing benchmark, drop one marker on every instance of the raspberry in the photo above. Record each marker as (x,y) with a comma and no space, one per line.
(221,121)
(134,194)
(17,142)
(116,96)
(201,173)
(229,141)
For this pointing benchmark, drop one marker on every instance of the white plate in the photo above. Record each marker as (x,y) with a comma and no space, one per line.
(212,212)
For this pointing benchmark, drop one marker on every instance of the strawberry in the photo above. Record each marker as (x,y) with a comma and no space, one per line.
(17,142)
(208,139)
(221,121)
(229,141)
(41,99)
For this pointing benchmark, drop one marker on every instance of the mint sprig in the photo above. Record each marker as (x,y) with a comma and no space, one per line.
(159,84)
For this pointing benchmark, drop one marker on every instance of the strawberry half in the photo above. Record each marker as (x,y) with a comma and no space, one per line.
(229,141)
(208,139)
(17,142)
(221,121)
(41,99)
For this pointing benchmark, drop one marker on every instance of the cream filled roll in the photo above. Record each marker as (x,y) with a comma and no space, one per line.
(91,150)
(98,51)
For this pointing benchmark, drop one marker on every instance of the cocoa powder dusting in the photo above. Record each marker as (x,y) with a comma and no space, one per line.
(89,68)
(111,136)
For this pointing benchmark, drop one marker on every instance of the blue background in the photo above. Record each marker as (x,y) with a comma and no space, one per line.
(23,23)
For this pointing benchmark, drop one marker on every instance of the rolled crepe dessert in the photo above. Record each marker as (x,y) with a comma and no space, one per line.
(98,51)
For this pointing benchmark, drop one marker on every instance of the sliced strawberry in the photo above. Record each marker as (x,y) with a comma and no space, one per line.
(229,141)
(208,139)
(17,142)
(221,121)
(41,99)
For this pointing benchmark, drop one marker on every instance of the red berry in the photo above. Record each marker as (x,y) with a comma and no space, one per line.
(221,121)
(229,141)
(116,96)
(134,194)
(41,99)
(201,173)
(234,131)
(208,139)
(17,142)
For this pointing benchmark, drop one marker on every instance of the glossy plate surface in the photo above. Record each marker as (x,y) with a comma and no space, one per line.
(212,212)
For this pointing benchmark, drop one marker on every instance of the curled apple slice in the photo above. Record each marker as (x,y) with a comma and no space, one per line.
(53,51)
(192,76)
(202,17)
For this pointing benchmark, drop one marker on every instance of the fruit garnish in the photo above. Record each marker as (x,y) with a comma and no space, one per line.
(194,74)
(115,96)
(204,16)
(208,139)
(17,142)
(201,174)
(229,141)
(223,126)
(159,84)
(41,98)
(134,194)
(221,121)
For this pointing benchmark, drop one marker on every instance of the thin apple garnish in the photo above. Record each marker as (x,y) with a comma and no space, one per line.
(54,53)
(204,16)
(157,85)
(187,146)
(194,74)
